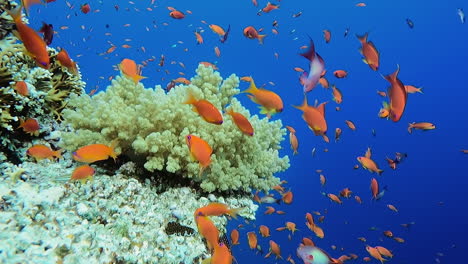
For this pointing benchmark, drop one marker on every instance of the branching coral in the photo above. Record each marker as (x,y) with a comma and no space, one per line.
(151,127)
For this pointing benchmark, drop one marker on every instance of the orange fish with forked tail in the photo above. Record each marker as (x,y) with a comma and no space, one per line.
(251,33)
(207,230)
(83,173)
(95,152)
(205,109)
(374,188)
(64,60)
(40,152)
(30,126)
(275,249)
(315,118)
(368,164)
(270,102)
(34,44)
(217,209)
(130,70)
(369,51)
(241,122)
(199,150)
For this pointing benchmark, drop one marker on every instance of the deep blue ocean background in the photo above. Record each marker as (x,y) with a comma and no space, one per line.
(428,188)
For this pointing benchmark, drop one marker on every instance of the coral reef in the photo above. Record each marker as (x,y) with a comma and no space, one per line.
(113,219)
(151,127)
(48,91)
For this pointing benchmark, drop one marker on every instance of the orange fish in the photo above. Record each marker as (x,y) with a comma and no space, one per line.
(264,231)
(40,152)
(399,239)
(252,238)
(182,80)
(346,193)
(323,180)
(83,173)
(384,252)
(337,95)
(217,209)
(327,35)
(221,254)
(350,124)
(361,4)
(308,242)
(207,230)
(66,62)
(388,233)
(241,122)
(397,95)
(30,126)
(130,70)
(205,109)
(324,82)
(375,253)
(293,140)
(199,150)
(270,103)
(412,89)
(421,125)
(235,237)
(392,207)
(34,44)
(382,93)
(207,64)
(177,14)
(199,37)
(217,29)
(275,249)
(334,198)
(358,199)
(22,88)
(287,197)
(369,51)
(251,33)
(95,152)
(368,164)
(337,134)
(269,210)
(340,73)
(314,117)
(269,7)
(374,188)
(217,51)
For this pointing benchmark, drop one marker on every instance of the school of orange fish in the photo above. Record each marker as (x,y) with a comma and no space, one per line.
(270,104)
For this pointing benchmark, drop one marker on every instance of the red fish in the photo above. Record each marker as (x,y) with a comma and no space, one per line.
(369,51)
(30,126)
(315,118)
(64,60)
(205,109)
(85,8)
(95,152)
(397,95)
(199,150)
(34,44)
(251,33)
(241,122)
(22,88)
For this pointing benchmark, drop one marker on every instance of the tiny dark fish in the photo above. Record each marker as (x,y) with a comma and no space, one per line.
(297,14)
(170,85)
(346,32)
(48,32)
(226,34)
(410,23)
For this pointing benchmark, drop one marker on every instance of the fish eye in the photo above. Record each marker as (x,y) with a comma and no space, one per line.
(310,257)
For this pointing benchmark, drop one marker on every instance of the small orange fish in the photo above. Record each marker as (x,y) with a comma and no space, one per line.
(207,230)
(33,43)
(350,124)
(21,87)
(399,239)
(327,35)
(235,237)
(217,51)
(298,69)
(205,109)
(374,188)
(358,199)
(217,29)
(334,198)
(421,125)
(269,210)
(177,14)
(182,80)
(287,197)
(323,180)
(264,231)
(199,37)
(64,60)
(207,64)
(40,152)
(369,51)
(384,252)
(199,150)
(315,118)
(340,73)
(83,173)
(324,82)
(217,209)
(270,102)
(346,193)
(375,253)
(30,126)
(269,7)
(293,140)
(412,89)
(275,249)
(252,238)
(392,207)
(95,152)
(382,93)
(337,134)
(361,4)
(337,95)
(251,33)
(368,164)
(241,122)
(130,70)
(388,233)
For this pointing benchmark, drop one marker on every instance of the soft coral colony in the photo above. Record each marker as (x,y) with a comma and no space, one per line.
(43,106)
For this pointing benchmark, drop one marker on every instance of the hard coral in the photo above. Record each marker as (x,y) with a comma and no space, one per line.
(151,127)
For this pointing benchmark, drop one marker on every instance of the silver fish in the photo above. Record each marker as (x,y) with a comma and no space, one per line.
(461,14)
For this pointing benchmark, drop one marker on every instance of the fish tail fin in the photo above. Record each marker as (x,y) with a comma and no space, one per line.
(303,106)
(363,38)
(252,88)
(21,123)
(57,154)
(190,98)
(136,78)
(420,90)
(379,171)
(112,147)
(410,127)
(16,13)
(235,211)
(260,38)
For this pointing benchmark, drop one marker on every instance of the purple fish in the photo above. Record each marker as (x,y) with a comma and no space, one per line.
(225,36)
(317,66)
(48,32)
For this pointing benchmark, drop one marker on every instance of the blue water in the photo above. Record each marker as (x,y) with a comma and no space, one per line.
(428,188)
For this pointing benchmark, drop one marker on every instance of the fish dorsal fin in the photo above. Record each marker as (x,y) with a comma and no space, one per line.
(304,105)
(321,108)
(309,54)
(252,88)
